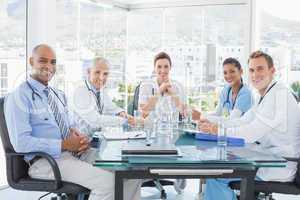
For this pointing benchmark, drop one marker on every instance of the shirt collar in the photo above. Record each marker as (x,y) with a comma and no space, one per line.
(38,86)
(270,85)
(91,87)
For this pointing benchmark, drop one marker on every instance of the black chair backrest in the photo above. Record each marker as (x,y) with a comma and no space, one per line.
(297,178)
(136,97)
(8,148)
(134,103)
(16,167)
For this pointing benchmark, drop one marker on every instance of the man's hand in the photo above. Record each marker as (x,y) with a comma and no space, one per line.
(196,115)
(84,141)
(71,143)
(208,127)
(76,142)
(131,120)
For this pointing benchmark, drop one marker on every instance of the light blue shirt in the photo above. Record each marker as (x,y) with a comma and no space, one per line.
(243,101)
(30,121)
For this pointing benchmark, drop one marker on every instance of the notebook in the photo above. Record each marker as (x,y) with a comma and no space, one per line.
(153,149)
(231,141)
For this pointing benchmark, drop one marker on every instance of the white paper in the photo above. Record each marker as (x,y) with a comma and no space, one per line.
(126,135)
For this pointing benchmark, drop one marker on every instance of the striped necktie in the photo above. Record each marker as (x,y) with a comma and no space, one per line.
(99,104)
(64,129)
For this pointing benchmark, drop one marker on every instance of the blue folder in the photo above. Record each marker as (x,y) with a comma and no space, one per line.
(231,141)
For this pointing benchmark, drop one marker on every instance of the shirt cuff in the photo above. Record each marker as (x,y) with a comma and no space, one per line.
(55,148)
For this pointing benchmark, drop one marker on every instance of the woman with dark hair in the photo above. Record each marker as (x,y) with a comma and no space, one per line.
(235,98)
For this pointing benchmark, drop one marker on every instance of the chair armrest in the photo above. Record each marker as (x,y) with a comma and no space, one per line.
(52,162)
(292,159)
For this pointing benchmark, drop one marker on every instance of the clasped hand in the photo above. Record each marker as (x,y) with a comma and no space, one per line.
(166,88)
(207,127)
(76,142)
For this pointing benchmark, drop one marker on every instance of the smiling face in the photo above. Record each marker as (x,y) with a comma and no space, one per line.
(98,75)
(43,62)
(162,69)
(232,74)
(260,74)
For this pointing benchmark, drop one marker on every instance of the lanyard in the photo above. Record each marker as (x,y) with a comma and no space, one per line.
(261,98)
(99,104)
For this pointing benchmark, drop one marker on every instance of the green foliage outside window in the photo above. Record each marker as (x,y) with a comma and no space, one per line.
(296,89)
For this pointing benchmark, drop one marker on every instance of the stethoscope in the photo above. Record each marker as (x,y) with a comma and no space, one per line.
(261,98)
(228,96)
(100,106)
(37,94)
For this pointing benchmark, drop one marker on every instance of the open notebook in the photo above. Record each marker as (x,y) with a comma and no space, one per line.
(126,135)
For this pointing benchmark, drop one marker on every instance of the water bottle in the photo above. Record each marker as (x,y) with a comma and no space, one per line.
(164,121)
(222,130)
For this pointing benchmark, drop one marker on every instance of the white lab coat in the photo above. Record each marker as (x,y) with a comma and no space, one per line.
(83,103)
(275,124)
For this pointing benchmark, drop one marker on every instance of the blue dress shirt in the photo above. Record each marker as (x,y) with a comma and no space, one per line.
(30,122)
(243,101)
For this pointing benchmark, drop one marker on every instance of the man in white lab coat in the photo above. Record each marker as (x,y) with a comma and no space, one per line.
(90,101)
(273,123)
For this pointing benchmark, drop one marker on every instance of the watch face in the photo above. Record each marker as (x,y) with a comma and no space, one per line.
(95,143)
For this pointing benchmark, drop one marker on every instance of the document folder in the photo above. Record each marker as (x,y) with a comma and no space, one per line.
(231,141)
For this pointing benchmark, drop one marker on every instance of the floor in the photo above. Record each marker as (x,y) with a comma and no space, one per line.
(190,193)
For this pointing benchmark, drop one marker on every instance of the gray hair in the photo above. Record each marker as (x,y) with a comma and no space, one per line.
(88,64)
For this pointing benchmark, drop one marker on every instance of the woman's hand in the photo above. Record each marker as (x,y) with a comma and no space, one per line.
(166,88)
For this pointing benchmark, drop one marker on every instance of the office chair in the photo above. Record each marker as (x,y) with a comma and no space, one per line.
(269,187)
(133,105)
(17,170)
(179,184)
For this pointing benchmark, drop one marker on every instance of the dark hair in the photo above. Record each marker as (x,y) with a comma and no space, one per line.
(233,61)
(162,55)
(258,54)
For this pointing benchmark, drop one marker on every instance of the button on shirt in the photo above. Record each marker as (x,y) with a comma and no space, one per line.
(30,122)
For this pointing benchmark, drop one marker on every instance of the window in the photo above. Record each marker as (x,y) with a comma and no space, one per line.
(3,69)
(12,54)
(86,30)
(279,35)
(197,38)
(3,83)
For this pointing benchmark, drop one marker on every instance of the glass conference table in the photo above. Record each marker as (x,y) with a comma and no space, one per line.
(198,159)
